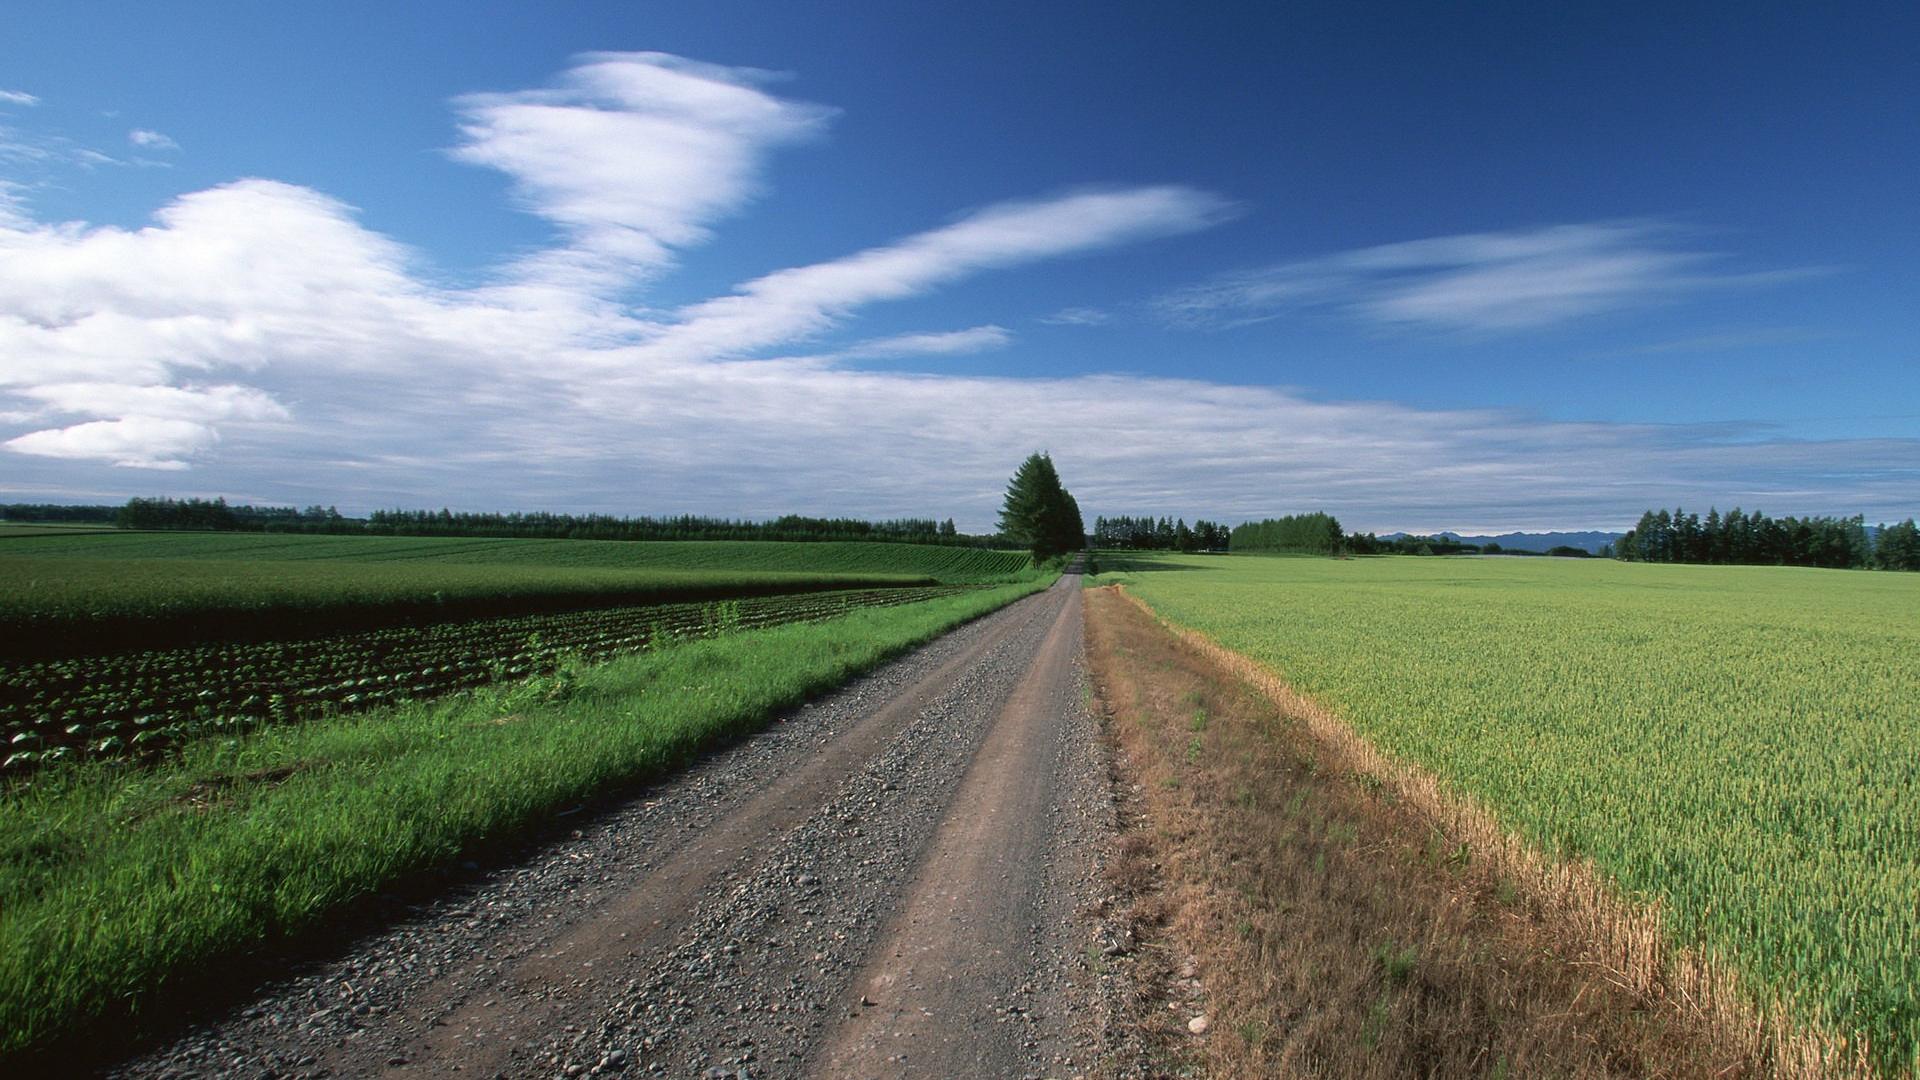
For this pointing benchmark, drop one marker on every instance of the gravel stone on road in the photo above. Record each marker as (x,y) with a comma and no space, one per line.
(730,920)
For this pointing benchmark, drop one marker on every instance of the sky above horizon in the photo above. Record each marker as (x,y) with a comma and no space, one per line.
(1422,266)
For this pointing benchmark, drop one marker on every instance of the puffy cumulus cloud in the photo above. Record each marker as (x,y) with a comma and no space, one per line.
(633,155)
(267,282)
(1477,282)
(282,285)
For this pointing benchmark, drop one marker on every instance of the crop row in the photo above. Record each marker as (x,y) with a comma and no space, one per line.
(136,704)
(59,608)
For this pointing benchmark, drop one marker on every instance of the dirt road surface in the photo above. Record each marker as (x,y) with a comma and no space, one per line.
(894,880)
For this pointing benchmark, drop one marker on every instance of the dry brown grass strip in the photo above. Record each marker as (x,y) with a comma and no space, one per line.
(1347,919)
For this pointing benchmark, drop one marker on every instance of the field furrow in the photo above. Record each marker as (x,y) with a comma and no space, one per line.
(134,704)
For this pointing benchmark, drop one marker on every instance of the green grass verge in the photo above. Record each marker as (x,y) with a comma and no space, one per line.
(118,886)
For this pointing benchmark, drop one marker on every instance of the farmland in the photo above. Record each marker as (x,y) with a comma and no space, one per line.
(136,703)
(121,644)
(950,564)
(1734,744)
(94,592)
(121,889)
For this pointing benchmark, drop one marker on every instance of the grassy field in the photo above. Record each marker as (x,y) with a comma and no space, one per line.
(1736,743)
(120,887)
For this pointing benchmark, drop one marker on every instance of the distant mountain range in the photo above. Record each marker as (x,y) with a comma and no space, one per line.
(1589,541)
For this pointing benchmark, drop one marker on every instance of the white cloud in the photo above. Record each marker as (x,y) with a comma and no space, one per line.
(943,343)
(147,139)
(88,158)
(796,304)
(207,404)
(260,333)
(18,97)
(1479,282)
(633,155)
(144,442)
(13,205)
(1077,316)
(42,152)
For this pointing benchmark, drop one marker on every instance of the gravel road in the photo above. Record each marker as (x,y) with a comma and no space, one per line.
(900,879)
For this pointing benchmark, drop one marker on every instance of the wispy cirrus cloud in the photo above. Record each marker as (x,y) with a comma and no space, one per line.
(1077,316)
(802,302)
(43,152)
(13,205)
(1483,282)
(939,343)
(18,97)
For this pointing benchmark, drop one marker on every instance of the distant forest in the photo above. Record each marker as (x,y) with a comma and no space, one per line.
(1661,536)
(1320,534)
(61,512)
(217,515)
(1758,540)
(1158,534)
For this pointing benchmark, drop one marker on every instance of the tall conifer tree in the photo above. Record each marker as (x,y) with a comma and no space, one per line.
(1039,513)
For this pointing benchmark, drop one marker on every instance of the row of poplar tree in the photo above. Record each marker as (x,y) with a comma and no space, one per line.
(1758,540)
(1158,534)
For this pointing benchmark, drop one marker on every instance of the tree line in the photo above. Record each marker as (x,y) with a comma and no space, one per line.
(1159,534)
(90,515)
(217,515)
(1758,540)
(1300,534)
(1041,515)
(548,526)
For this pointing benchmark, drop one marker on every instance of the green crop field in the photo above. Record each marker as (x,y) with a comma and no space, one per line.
(61,607)
(135,704)
(1740,743)
(65,594)
(118,644)
(949,564)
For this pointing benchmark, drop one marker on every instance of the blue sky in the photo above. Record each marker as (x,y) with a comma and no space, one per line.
(1424,266)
